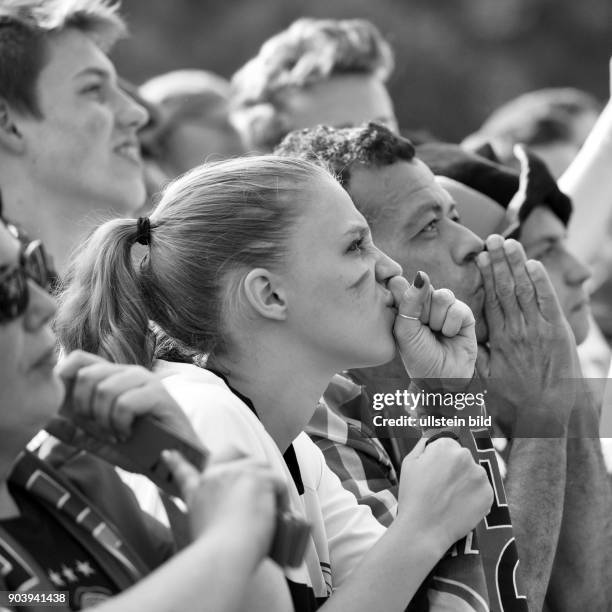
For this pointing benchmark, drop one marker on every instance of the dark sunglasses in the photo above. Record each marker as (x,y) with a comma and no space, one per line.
(14,290)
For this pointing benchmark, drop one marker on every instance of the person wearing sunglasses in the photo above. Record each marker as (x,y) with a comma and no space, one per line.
(70,532)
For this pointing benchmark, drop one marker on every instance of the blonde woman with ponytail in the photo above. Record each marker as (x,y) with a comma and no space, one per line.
(264,266)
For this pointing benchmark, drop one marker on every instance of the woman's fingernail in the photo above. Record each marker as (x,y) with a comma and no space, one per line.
(419,281)
(483,259)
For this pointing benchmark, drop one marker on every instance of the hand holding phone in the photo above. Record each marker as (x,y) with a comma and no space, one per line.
(124,415)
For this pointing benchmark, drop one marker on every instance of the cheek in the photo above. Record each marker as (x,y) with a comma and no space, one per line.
(555,273)
(83,129)
(428,258)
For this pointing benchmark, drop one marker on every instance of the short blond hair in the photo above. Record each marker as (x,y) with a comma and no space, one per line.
(25,26)
(309,51)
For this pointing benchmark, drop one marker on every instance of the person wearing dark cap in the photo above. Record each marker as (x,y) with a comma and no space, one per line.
(417,223)
(537,211)
(69,151)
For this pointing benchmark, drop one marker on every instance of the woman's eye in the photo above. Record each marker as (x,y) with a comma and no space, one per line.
(355,246)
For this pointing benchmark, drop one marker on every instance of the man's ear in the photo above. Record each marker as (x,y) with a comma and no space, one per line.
(11,138)
(265,295)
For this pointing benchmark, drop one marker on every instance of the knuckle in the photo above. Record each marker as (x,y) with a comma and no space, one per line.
(445,445)
(465,456)
(102,391)
(525,291)
(81,376)
(121,404)
(444,295)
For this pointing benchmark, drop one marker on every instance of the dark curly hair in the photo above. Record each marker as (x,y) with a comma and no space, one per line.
(339,148)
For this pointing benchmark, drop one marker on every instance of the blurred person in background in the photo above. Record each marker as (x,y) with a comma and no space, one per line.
(553,123)
(69,150)
(194,121)
(317,71)
(568,129)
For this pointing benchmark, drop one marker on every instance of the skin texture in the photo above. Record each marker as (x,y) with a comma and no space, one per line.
(73,163)
(544,238)
(479,212)
(340,101)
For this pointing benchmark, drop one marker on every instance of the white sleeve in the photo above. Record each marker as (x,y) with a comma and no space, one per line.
(350,527)
(220,419)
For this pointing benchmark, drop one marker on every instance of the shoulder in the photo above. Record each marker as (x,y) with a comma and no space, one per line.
(219,417)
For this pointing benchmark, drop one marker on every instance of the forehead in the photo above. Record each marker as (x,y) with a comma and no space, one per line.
(69,54)
(404,188)
(341,100)
(542,224)
(478,212)
(328,210)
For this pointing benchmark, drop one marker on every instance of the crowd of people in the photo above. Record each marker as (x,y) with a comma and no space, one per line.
(245,264)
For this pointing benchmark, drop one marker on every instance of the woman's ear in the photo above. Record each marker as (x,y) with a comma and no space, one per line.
(265,294)
(10,137)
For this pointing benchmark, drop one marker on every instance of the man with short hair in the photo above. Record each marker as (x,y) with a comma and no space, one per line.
(69,152)
(416,222)
(317,71)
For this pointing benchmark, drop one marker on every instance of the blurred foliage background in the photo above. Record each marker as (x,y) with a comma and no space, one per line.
(456,60)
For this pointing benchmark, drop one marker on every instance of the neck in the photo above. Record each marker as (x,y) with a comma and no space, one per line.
(284,391)
(61,222)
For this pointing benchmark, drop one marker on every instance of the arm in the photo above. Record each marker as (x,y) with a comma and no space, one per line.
(581,573)
(530,353)
(535,487)
(214,574)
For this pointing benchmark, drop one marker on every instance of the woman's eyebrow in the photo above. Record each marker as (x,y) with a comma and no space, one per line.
(358,229)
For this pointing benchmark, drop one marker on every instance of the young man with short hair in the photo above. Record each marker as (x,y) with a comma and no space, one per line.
(69,152)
